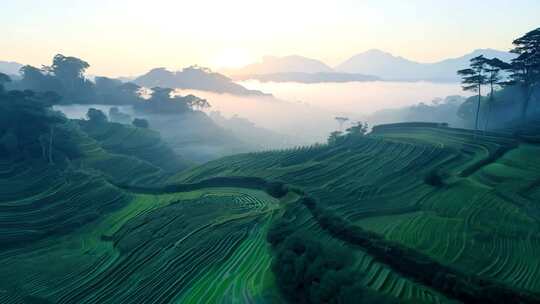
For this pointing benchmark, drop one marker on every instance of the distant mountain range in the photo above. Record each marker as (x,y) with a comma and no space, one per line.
(367,66)
(193,78)
(308,77)
(294,69)
(390,67)
(287,64)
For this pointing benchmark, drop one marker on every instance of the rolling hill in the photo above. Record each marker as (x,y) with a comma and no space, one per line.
(287,64)
(194,78)
(424,213)
(479,218)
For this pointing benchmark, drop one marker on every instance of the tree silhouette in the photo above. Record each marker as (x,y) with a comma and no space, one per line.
(28,121)
(197,102)
(68,70)
(525,68)
(96,116)
(334,137)
(473,78)
(164,101)
(493,69)
(360,129)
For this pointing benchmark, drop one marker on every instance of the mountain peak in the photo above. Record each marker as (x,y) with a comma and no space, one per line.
(390,67)
(285,64)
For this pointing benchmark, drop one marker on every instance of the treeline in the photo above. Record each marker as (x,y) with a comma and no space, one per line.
(66,78)
(29,128)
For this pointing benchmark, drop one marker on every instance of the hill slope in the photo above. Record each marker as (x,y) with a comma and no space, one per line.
(479,217)
(216,232)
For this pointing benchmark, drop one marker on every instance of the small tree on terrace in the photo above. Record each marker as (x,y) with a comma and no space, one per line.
(334,137)
(473,78)
(341,120)
(140,123)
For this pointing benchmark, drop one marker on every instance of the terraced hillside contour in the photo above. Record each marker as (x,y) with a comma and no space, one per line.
(166,248)
(481,219)
(143,143)
(108,238)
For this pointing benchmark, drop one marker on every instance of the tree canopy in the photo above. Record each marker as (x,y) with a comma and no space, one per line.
(473,78)
(164,101)
(525,68)
(96,116)
(25,117)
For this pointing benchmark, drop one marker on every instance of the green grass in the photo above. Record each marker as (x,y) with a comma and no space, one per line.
(188,240)
(71,235)
(485,222)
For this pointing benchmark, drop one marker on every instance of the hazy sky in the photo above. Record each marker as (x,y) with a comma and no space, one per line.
(127,37)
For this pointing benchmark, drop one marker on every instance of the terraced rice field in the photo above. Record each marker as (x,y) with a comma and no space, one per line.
(378,276)
(144,144)
(156,249)
(70,234)
(485,219)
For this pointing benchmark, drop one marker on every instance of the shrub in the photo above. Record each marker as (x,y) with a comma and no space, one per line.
(434,178)
(141,123)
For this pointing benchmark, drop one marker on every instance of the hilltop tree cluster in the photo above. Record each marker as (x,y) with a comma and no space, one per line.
(356,130)
(66,77)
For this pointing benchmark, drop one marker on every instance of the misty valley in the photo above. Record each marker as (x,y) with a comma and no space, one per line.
(288,179)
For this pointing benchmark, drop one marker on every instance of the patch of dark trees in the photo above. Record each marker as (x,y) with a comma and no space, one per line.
(275,189)
(310,271)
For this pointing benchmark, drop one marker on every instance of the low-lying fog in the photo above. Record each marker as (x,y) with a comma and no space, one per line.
(308,110)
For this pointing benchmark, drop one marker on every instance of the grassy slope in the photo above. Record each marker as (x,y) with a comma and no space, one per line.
(69,234)
(86,241)
(155,249)
(484,219)
(39,199)
(144,144)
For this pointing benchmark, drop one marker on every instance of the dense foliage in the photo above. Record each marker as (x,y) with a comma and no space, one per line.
(309,271)
(66,77)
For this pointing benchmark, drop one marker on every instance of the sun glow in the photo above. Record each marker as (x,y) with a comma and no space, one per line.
(232,58)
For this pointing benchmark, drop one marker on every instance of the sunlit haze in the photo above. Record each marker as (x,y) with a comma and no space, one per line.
(123,37)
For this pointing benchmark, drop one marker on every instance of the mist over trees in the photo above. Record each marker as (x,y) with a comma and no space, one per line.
(512,87)
(195,78)
(28,126)
(66,77)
